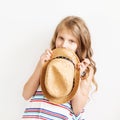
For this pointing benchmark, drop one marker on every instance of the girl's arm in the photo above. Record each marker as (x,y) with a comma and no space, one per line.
(81,97)
(34,81)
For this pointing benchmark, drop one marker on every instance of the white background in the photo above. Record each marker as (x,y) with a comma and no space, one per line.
(26,28)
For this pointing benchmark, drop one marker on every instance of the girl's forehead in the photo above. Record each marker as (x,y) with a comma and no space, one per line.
(65,30)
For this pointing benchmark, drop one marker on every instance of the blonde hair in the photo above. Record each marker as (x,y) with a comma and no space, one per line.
(79,29)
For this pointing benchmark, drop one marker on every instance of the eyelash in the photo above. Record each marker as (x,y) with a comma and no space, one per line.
(61,38)
(71,41)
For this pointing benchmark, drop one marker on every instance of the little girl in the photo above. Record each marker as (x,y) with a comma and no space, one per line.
(71,33)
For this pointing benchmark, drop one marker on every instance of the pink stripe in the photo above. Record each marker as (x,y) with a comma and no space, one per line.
(36,117)
(54,114)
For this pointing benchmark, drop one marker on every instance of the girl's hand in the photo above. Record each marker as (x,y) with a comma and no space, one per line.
(45,56)
(83,65)
(85,84)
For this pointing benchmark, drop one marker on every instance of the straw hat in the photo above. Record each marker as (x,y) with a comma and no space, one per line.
(60,78)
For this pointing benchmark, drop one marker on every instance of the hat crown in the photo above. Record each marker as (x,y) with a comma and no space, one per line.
(59,77)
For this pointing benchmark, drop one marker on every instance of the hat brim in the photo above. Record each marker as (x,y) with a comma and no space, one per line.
(71,55)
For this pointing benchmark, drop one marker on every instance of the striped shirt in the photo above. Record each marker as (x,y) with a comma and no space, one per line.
(41,108)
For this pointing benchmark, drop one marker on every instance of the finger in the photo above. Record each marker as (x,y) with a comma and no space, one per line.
(82,66)
(86,62)
(91,74)
(49,53)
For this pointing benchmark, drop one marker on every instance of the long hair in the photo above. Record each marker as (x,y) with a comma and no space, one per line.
(79,29)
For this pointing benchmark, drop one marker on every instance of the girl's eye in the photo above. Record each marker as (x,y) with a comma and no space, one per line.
(71,41)
(61,38)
